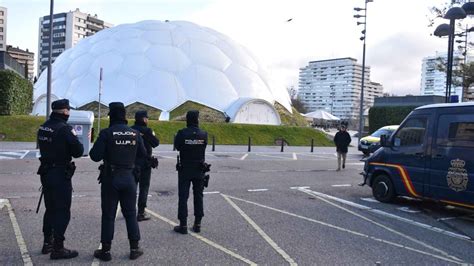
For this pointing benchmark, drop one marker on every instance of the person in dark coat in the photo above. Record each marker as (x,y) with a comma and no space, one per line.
(58,143)
(145,162)
(342,139)
(191,143)
(118,146)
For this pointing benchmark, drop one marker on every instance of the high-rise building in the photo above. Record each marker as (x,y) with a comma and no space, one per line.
(3,28)
(68,29)
(334,86)
(433,80)
(25,58)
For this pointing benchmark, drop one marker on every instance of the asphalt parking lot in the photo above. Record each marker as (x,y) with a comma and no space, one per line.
(261,207)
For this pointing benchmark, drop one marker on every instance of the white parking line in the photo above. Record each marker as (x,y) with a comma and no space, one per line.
(342,229)
(294,156)
(257,190)
(273,156)
(393,216)
(320,197)
(203,239)
(243,157)
(370,200)
(342,185)
(211,192)
(406,209)
(26,153)
(298,187)
(16,228)
(261,232)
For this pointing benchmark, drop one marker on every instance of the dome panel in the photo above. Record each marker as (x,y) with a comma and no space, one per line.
(165,86)
(119,88)
(129,33)
(168,58)
(82,90)
(136,65)
(206,85)
(80,67)
(237,54)
(158,37)
(103,46)
(248,83)
(135,45)
(206,55)
(109,62)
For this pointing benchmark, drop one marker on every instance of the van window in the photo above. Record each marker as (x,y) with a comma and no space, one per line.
(456,131)
(412,133)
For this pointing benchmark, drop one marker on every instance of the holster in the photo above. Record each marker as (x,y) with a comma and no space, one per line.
(179,166)
(42,169)
(102,173)
(206,180)
(206,167)
(153,162)
(70,169)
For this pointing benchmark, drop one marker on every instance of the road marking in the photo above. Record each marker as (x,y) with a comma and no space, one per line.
(203,239)
(294,156)
(243,157)
(318,195)
(38,154)
(26,153)
(257,190)
(273,156)
(407,209)
(342,185)
(16,228)
(297,187)
(167,157)
(269,171)
(260,232)
(342,229)
(211,192)
(96,261)
(393,216)
(6,158)
(370,200)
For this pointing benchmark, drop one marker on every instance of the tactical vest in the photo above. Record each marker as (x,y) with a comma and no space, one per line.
(122,147)
(51,151)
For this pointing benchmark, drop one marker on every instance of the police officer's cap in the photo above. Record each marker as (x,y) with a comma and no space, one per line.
(60,104)
(141,114)
(116,106)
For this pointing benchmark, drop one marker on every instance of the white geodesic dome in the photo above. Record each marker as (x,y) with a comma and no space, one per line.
(163,65)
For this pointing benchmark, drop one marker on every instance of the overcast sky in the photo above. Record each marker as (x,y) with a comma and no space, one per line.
(398,36)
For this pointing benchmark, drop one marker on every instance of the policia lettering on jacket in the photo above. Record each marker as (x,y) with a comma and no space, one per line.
(191,143)
(58,143)
(118,146)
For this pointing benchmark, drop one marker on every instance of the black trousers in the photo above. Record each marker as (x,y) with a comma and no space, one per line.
(119,188)
(186,177)
(144,186)
(57,193)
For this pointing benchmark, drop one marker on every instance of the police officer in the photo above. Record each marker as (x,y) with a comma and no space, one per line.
(118,145)
(191,143)
(58,143)
(145,163)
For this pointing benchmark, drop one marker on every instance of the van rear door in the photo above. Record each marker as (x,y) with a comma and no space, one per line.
(452,159)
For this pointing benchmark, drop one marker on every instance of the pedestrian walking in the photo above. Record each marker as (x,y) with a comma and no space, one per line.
(342,139)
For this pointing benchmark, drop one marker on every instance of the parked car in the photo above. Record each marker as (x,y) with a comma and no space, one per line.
(430,156)
(371,143)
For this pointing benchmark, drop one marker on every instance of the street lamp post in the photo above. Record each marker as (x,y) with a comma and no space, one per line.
(363,38)
(50,59)
(465,48)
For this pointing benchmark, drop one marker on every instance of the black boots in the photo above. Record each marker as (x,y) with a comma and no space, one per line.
(103,253)
(182,228)
(197,228)
(47,245)
(135,250)
(59,252)
(142,216)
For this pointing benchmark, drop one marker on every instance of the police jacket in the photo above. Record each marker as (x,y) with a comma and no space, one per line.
(191,143)
(58,142)
(149,140)
(118,146)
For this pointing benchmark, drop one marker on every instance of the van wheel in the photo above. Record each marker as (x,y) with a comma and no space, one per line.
(383,189)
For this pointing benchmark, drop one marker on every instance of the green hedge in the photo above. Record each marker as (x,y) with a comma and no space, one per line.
(16,94)
(389,115)
(24,128)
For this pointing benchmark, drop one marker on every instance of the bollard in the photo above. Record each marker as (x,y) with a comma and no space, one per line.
(250,143)
(174,138)
(282,144)
(213,143)
(312,145)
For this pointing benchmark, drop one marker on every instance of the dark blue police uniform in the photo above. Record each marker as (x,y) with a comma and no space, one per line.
(58,143)
(118,147)
(191,143)
(144,162)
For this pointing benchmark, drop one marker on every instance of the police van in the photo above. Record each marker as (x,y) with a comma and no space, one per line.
(430,156)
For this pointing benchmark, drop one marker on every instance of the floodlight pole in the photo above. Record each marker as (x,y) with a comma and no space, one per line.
(50,59)
(100,95)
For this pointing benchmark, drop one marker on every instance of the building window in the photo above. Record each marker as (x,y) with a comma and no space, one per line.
(1,21)
(1,29)
(1,37)
(1,13)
